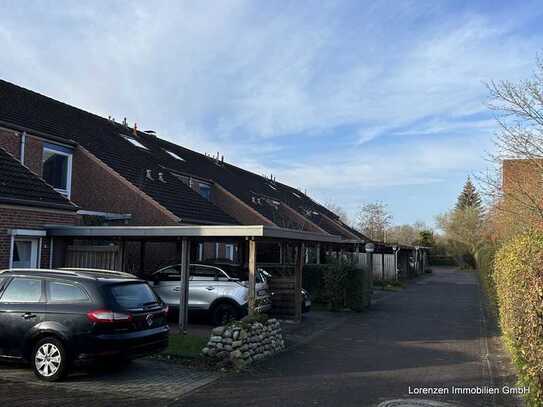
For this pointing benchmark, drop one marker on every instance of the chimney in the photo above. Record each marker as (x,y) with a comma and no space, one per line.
(135,130)
(125,123)
(222,158)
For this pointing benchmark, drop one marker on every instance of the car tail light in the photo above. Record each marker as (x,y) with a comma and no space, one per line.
(108,317)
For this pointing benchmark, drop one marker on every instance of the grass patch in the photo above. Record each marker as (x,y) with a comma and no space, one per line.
(391,285)
(186,345)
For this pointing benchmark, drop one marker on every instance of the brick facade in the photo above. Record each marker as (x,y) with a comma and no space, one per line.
(97,187)
(12,217)
(10,140)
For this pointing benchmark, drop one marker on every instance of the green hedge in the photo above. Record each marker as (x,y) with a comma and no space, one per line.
(518,277)
(439,260)
(338,286)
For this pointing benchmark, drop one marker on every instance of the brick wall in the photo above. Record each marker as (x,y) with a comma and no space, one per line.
(26,218)
(97,187)
(10,140)
(236,208)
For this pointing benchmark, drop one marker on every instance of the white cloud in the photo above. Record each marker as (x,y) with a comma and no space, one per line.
(247,79)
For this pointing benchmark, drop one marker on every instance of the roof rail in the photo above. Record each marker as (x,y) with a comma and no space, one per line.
(95,270)
(58,271)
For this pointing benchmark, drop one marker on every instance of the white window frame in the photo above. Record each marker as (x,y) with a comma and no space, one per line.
(68,191)
(35,250)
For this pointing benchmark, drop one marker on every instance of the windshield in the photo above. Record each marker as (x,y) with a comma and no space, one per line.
(134,295)
(241,274)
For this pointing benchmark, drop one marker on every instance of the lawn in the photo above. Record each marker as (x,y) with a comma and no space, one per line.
(186,345)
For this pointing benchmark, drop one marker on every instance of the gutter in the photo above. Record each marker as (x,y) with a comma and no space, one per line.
(38,204)
(37,133)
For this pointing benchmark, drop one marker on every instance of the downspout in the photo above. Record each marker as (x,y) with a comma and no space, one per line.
(23,145)
(12,246)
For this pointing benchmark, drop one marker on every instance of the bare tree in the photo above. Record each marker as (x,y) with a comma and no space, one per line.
(338,210)
(407,234)
(373,220)
(514,188)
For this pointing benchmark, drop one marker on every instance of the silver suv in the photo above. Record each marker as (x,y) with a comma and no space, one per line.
(220,290)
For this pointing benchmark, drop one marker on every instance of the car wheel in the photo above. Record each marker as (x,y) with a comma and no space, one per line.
(224,313)
(50,360)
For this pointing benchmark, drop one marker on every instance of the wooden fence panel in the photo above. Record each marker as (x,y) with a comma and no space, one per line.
(384,266)
(99,257)
(283,300)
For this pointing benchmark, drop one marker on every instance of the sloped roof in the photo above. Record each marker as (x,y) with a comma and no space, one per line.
(18,185)
(103,138)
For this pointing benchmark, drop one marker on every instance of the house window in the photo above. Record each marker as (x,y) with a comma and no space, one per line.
(230,252)
(57,168)
(25,253)
(204,190)
(174,155)
(135,142)
(200,252)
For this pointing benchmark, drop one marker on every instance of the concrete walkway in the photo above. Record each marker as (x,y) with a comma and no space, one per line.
(433,335)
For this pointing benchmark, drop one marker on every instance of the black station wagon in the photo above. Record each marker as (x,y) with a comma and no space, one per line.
(55,319)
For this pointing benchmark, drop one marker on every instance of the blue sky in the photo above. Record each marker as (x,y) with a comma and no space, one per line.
(352,101)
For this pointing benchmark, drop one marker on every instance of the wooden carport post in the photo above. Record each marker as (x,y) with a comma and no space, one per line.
(184,285)
(298,272)
(252,277)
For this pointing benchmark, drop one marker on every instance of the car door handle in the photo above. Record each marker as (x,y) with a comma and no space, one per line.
(210,288)
(177,289)
(29,315)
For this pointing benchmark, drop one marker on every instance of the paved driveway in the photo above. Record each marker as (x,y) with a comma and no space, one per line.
(432,334)
(145,382)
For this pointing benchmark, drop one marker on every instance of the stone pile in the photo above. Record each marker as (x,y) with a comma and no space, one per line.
(245,342)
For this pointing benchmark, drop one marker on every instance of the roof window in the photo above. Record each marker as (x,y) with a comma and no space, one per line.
(134,142)
(174,155)
(272,187)
(296,195)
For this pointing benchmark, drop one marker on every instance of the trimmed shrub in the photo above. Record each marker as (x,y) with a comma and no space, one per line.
(337,285)
(485,257)
(518,272)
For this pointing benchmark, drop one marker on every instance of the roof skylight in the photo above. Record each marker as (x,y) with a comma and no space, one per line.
(175,156)
(135,142)
(296,195)
(272,187)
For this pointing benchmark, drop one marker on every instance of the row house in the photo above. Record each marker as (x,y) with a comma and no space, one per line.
(99,172)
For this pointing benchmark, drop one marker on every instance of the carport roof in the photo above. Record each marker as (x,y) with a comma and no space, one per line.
(190,231)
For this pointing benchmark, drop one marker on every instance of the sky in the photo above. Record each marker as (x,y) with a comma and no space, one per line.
(350,101)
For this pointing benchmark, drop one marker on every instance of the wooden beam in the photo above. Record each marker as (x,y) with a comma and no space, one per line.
(298,271)
(184,285)
(252,277)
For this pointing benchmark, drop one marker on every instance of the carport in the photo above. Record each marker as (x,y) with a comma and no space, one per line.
(108,247)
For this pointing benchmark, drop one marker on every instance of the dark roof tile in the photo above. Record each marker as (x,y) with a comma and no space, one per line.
(18,185)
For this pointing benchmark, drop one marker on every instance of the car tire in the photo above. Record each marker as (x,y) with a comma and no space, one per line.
(223,313)
(50,359)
